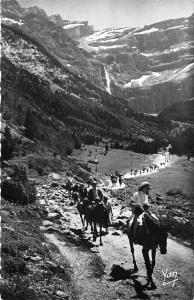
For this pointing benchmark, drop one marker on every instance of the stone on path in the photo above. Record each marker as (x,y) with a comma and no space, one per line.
(53,216)
(47,223)
(54,176)
(62,295)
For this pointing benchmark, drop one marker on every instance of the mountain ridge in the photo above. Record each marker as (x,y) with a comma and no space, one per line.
(56,93)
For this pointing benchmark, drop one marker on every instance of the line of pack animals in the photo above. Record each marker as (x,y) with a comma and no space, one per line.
(95,209)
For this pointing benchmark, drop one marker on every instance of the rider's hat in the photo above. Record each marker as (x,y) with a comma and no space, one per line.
(144,184)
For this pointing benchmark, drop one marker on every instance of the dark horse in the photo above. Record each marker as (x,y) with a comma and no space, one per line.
(82,208)
(151,234)
(97,215)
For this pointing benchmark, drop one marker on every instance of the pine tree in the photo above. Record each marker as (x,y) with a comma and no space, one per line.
(30,124)
(8,144)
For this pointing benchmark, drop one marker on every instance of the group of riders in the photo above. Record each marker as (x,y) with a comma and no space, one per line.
(94,196)
(117,177)
(90,195)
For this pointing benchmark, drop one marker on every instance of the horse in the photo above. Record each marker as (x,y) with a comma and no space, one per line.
(75,197)
(113,179)
(69,187)
(152,234)
(82,207)
(97,215)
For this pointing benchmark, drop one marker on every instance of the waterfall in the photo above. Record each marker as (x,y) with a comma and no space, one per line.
(107,80)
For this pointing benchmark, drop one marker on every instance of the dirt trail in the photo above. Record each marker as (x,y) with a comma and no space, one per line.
(115,250)
(92,265)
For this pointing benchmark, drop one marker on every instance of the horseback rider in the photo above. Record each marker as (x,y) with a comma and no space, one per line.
(139,204)
(83,192)
(120,178)
(141,197)
(94,194)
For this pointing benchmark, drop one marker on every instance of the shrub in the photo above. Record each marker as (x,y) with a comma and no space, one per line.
(30,124)
(175,192)
(19,189)
(14,265)
(8,144)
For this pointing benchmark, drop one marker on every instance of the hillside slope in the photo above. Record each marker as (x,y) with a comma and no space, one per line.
(181,111)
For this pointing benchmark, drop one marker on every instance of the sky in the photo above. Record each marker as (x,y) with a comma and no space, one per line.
(115,13)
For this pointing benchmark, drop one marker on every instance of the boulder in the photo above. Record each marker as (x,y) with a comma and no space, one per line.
(62,295)
(47,223)
(125,215)
(35,258)
(55,176)
(53,216)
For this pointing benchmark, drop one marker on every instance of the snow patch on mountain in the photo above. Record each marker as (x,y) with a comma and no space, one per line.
(147,31)
(69,26)
(8,20)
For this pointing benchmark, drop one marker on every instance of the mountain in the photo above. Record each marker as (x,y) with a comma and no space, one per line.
(66,91)
(64,107)
(35,22)
(151,67)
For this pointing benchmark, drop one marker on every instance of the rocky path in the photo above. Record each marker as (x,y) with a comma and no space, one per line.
(92,264)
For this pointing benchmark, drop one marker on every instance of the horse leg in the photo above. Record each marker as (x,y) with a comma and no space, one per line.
(82,219)
(132,251)
(153,258)
(106,229)
(94,232)
(145,253)
(153,285)
(101,244)
(86,221)
(92,229)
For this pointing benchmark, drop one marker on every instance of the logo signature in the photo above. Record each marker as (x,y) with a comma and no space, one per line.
(169,277)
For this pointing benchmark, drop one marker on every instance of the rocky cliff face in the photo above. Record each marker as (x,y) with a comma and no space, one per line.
(150,67)
(35,22)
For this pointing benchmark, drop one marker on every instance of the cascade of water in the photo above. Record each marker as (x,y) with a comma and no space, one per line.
(107,80)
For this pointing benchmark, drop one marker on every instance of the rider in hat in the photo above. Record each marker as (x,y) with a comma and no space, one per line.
(141,197)
(139,204)
(93,193)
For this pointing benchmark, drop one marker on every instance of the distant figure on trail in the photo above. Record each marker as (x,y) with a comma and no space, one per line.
(120,179)
(189,157)
(106,148)
(113,179)
(117,173)
(69,186)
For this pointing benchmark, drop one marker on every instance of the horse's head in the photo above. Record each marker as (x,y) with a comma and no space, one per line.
(163,239)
